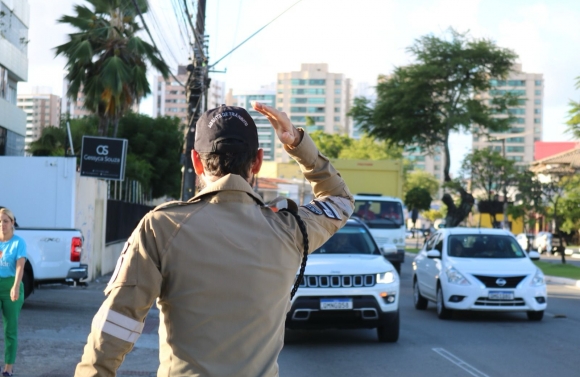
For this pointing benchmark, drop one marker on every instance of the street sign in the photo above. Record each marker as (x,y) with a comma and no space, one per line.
(103,157)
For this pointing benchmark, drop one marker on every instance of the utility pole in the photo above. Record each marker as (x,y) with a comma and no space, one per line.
(196,94)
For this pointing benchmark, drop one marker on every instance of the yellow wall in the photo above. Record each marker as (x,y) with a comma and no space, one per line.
(517,224)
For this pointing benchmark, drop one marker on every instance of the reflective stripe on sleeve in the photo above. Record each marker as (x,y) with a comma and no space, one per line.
(117,325)
(343,204)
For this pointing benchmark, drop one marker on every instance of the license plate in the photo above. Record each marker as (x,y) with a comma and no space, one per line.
(335,303)
(500,295)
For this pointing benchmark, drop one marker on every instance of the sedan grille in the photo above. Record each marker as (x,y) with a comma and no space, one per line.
(337,281)
(492,281)
(484,301)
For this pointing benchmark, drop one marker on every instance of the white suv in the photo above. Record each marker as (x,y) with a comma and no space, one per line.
(478,269)
(348,283)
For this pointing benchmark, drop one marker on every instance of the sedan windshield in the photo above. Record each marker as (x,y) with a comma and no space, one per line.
(483,246)
(349,240)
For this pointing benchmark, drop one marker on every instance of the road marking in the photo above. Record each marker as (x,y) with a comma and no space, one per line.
(460,363)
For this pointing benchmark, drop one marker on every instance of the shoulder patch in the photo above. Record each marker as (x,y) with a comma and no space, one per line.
(328,209)
(312,208)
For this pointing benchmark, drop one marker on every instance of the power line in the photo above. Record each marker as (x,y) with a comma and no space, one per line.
(153,41)
(247,39)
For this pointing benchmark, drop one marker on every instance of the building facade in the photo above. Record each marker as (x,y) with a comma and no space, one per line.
(314,98)
(14,24)
(170,97)
(42,110)
(518,142)
(266,134)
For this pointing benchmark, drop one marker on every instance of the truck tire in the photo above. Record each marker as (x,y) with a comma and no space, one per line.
(28,281)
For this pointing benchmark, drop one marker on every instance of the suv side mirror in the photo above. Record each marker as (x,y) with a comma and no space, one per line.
(388,248)
(432,254)
(534,255)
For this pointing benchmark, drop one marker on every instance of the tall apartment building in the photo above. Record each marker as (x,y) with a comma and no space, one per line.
(527,127)
(266,135)
(14,22)
(169,96)
(316,93)
(42,110)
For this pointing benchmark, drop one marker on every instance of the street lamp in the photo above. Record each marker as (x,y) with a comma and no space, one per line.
(503,138)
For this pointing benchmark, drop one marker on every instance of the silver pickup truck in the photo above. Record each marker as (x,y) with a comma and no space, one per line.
(53,256)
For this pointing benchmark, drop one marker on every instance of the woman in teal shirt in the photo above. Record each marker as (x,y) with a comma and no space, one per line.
(12,259)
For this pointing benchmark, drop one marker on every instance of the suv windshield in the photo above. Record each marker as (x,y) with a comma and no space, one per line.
(382,214)
(483,246)
(349,240)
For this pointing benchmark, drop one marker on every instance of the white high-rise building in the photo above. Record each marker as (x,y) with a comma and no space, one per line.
(42,110)
(315,96)
(14,22)
(518,142)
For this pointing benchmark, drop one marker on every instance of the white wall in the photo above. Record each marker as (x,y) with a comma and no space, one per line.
(39,190)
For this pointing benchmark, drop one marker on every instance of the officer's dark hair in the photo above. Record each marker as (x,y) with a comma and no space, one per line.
(221,164)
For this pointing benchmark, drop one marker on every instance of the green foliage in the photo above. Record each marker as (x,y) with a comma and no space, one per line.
(107,60)
(489,172)
(418,198)
(433,214)
(50,143)
(529,199)
(422,179)
(423,103)
(569,206)
(574,112)
(344,147)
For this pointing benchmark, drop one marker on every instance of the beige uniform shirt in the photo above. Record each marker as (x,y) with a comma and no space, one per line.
(221,267)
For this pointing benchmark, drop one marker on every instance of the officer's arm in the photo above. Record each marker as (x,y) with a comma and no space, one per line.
(135,284)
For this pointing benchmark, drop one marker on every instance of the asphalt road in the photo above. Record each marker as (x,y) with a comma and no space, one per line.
(55,322)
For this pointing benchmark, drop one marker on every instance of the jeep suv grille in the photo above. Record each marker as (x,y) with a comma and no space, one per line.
(337,281)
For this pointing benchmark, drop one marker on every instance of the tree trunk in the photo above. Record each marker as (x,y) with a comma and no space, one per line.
(103,126)
(455,215)
(116,124)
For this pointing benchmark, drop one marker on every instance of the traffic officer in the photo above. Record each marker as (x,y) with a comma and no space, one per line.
(221,265)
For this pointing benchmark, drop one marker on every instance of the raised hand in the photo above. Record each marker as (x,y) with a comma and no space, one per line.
(286,132)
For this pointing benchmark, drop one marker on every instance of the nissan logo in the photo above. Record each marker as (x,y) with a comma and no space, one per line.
(500,282)
(103,150)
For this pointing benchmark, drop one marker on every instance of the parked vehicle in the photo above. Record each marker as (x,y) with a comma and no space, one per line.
(543,242)
(384,216)
(53,256)
(478,269)
(348,284)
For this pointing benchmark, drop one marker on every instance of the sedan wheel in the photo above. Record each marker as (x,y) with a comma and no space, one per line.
(442,311)
(419,301)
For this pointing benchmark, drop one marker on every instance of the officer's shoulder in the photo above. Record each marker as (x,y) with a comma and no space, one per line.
(174,204)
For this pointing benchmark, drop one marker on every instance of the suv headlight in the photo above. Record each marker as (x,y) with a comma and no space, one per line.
(455,277)
(538,278)
(386,277)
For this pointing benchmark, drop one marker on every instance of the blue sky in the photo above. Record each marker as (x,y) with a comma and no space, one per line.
(361,39)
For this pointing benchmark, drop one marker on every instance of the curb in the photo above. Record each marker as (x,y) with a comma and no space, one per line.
(564,281)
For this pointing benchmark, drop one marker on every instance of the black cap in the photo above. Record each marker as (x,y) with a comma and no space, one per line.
(226,129)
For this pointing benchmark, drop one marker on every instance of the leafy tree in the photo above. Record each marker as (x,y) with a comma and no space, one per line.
(419,199)
(422,179)
(106,59)
(433,214)
(489,172)
(50,143)
(569,208)
(574,112)
(423,103)
(529,202)
(330,145)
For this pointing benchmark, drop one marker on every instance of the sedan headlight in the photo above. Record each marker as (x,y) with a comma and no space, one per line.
(538,278)
(455,277)
(386,277)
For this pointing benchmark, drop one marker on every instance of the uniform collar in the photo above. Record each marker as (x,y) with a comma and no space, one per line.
(230,182)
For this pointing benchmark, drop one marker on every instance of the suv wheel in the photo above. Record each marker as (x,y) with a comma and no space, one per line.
(389,331)
(442,311)
(535,316)
(419,301)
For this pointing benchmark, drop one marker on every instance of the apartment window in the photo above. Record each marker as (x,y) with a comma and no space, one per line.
(512,149)
(173,92)
(537,120)
(517,130)
(519,120)
(296,109)
(517,111)
(337,100)
(336,91)
(538,92)
(537,102)
(279,100)
(316,82)
(515,140)
(314,91)
(337,109)
(297,82)
(419,167)
(501,92)
(437,158)
(280,91)
(436,167)
(507,83)
(516,158)
(537,129)
(537,111)
(538,82)
(280,82)
(337,119)
(337,82)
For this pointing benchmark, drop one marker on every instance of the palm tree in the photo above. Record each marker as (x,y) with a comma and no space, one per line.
(107,61)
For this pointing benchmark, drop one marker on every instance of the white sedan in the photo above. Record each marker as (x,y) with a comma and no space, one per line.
(478,269)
